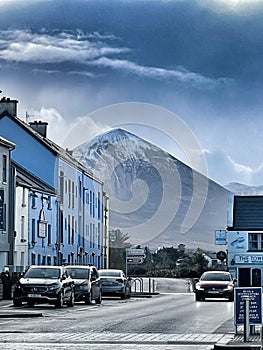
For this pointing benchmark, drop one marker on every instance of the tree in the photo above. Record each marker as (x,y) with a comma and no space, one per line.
(118,245)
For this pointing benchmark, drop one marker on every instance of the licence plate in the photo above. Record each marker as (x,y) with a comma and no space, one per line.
(213,291)
(34,295)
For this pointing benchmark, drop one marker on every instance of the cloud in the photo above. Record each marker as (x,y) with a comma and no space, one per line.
(181,75)
(25,46)
(93,49)
(221,168)
(65,133)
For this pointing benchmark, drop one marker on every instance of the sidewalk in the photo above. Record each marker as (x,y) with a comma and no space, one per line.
(237,342)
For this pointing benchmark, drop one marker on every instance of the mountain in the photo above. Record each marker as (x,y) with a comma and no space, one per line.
(155,198)
(244,190)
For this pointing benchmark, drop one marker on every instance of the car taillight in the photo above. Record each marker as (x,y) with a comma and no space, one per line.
(120,280)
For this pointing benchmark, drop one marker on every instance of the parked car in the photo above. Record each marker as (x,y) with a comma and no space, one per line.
(87,283)
(115,283)
(45,284)
(215,284)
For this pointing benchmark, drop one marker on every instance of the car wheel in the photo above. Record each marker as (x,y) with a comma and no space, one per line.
(17,302)
(71,301)
(88,299)
(123,296)
(197,297)
(98,300)
(231,299)
(59,301)
(30,303)
(129,293)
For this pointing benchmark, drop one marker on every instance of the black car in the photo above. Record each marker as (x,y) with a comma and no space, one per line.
(87,283)
(215,284)
(45,284)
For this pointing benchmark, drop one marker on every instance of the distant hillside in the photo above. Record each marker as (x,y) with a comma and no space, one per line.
(244,190)
(153,196)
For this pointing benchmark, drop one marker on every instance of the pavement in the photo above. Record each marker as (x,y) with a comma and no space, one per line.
(217,340)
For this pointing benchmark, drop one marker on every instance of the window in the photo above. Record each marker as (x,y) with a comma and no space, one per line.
(255,241)
(4,168)
(22,229)
(69,241)
(49,234)
(33,230)
(23,197)
(69,193)
(34,196)
(61,185)
(49,203)
(99,207)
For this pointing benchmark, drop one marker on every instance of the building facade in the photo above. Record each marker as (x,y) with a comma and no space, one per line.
(6,203)
(60,205)
(245,241)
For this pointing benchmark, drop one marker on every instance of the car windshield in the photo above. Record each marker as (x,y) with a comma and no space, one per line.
(78,273)
(41,272)
(110,273)
(216,277)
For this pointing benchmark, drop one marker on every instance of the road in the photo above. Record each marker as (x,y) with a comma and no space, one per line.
(170,320)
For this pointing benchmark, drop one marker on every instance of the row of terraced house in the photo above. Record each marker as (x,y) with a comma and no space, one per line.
(53,211)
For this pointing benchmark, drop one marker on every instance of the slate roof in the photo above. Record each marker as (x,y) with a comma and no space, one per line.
(247,213)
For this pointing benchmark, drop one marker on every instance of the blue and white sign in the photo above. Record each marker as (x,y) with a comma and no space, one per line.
(255,305)
(220,237)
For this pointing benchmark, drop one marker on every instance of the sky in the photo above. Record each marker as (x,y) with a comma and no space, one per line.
(192,68)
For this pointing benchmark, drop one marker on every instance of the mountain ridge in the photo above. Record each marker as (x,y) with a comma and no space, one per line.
(154,196)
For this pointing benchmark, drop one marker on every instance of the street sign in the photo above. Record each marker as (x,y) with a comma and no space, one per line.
(134,260)
(135,251)
(220,237)
(255,302)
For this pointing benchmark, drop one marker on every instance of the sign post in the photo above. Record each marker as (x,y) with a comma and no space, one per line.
(244,296)
(134,256)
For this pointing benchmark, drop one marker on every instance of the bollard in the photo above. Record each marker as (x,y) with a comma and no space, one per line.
(246,317)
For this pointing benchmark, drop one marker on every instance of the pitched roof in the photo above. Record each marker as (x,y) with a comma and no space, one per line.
(25,178)
(248,213)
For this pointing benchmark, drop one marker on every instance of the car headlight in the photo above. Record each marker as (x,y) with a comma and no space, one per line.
(198,287)
(53,287)
(229,287)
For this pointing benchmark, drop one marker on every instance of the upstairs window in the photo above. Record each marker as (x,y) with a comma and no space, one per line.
(4,168)
(255,241)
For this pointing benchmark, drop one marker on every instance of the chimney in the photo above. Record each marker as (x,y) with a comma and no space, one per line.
(8,105)
(40,127)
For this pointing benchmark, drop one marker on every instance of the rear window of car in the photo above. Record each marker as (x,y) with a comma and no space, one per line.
(110,273)
(41,272)
(78,273)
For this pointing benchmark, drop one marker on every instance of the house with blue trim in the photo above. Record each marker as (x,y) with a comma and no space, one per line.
(65,218)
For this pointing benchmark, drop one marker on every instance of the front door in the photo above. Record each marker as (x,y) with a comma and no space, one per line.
(244,277)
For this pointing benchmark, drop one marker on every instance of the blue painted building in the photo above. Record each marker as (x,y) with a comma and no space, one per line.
(65,226)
